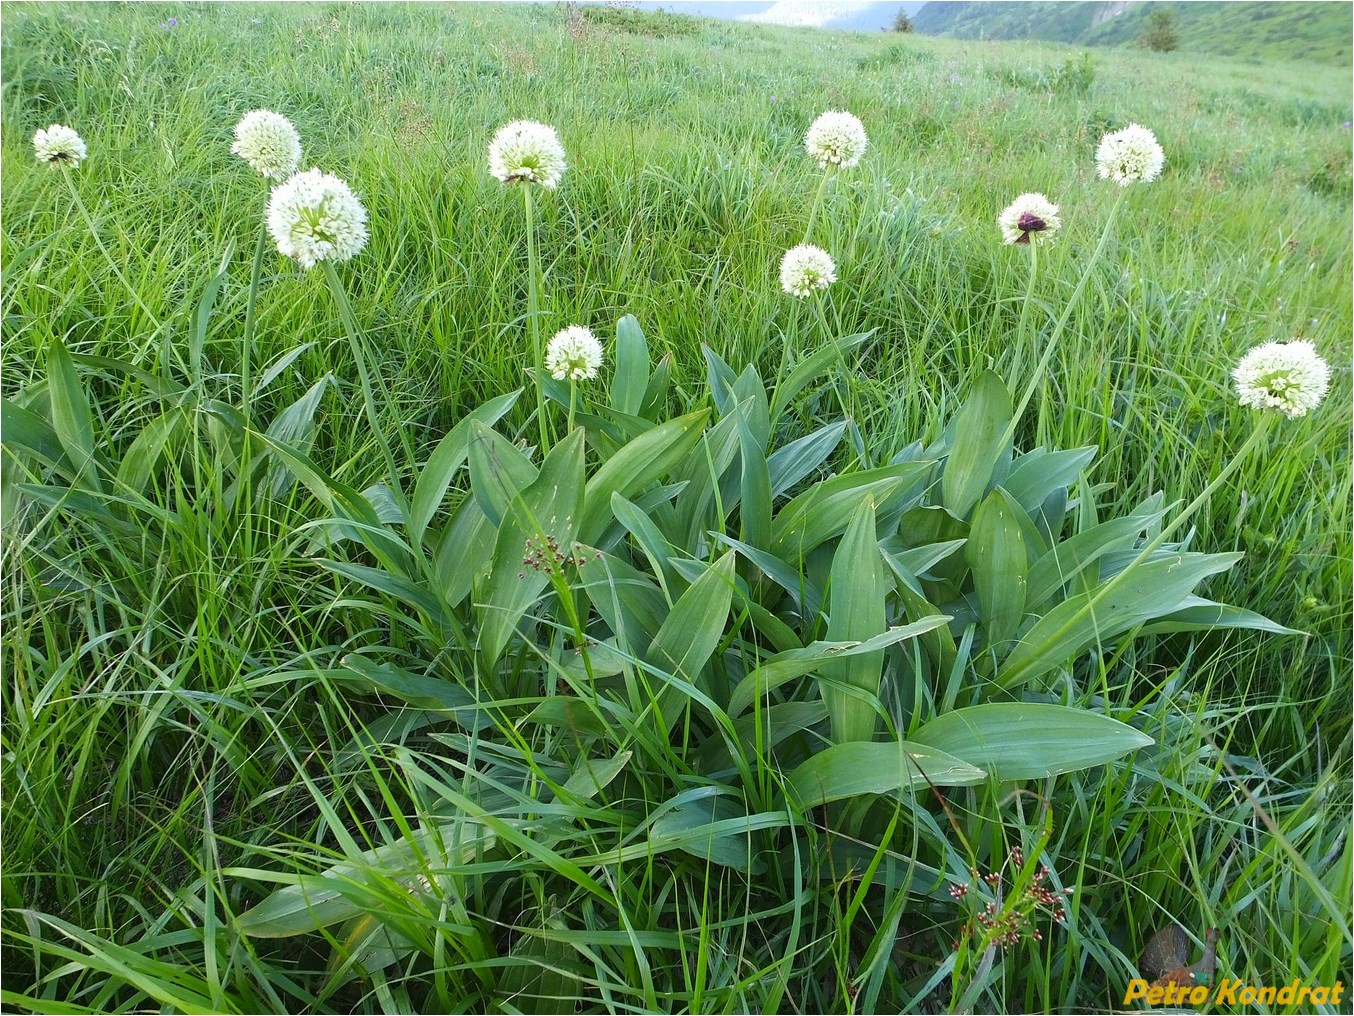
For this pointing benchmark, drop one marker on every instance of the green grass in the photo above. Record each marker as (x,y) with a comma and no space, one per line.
(179,728)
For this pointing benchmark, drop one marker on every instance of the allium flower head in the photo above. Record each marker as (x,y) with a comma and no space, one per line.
(1128,156)
(315,217)
(57,146)
(527,152)
(1290,377)
(269,143)
(836,139)
(574,354)
(806,269)
(1030,218)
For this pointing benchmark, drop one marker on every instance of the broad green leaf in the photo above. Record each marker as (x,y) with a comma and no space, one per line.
(824,510)
(574,715)
(363,524)
(1197,614)
(920,558)
(628,600)
(997,557)
(412,594)
(158,385)
(867,767)
(656,394)
(703,470)
(977,444)
(279,365)
(499,470)
(643,461)
(1030,740)
(1034,476)
(295,427)
(857,614)
(1079,622)
(546,512)
(631,377)
(759,731)
(592,776)
(465,550)
(1075,554)
(689,636)
(713,828)
(720,378)
(202,315)
(418,690)
(652,542)
(437,473)
(22,430)
(793,581)
(72,419)
(938,642)
(755,499)
(816,363)
(750,394)
(791,463)
(345,890)
(144,453)
(793,663)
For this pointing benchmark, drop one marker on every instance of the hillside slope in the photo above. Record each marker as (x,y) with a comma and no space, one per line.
(1314,31)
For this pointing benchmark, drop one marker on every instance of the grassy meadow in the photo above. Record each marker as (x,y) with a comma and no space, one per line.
(251,766)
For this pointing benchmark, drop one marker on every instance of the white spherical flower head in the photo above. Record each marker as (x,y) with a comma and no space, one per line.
(269,143)
(836,139)
(1030,218)
(59,146)
(1289,377)
(527,152)
(1131,155)
(807,269)
(574,354)
(315,217)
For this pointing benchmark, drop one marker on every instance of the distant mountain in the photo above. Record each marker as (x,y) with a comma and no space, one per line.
(842,15)
(1292,30)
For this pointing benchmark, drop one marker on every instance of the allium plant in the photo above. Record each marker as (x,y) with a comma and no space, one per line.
(1288,377)
(1131,155)
(1029,219)
(316,219)
(836,140)
(573,355)
(59,145)
(61,148)
(807,270)
(525,152)
(269,142)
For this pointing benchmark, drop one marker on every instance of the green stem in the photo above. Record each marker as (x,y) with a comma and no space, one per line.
(1023,339)
(573,390)
(842,378)
(248,342)
(1066,315)
(537,350)
(817,201)
(89,221)
(368,399)
(246,380)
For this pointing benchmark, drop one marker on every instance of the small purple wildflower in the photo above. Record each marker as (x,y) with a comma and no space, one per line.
(1349,123)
